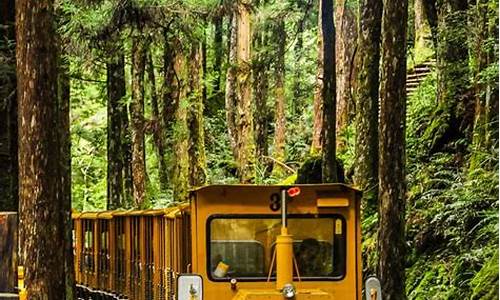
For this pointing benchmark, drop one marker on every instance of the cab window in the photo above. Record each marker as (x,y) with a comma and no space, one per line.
(243,246)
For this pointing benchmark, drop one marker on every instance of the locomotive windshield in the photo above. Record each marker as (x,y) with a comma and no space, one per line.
(243,246)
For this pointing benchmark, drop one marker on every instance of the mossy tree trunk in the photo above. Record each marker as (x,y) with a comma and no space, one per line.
(244,124)
(260,93)
(127,158)
(329,102)
(196,147)
(203,78)
(8,110)
(137,120)
(430,13)
(115,82)
(217,89)
(280,105)
(180,171)
(297,104)
(239,93)
(346,35)
(318,92)
(423,37)
(43,169)
(299,92)
(231,97)
(157,126)
(63,127)
(366,96)
(169,86)
(486,89)
(453,117)
(392,187)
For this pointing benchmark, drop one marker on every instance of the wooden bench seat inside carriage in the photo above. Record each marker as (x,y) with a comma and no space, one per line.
(229,242)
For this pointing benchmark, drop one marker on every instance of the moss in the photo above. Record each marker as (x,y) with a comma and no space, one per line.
(310,171)
(484,284)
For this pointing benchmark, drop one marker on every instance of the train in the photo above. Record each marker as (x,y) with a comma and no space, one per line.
(240,242)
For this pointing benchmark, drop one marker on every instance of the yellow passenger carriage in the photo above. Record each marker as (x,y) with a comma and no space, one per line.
(230,242)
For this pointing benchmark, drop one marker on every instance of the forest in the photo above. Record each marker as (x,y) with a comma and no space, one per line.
(121,104)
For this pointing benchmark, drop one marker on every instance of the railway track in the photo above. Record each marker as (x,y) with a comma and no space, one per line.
(87,293)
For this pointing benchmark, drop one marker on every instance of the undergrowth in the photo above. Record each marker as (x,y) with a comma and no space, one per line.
(452,214)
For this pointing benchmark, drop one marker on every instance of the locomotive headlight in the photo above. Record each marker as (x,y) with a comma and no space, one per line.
(189,287)
(373,288)
(288,291)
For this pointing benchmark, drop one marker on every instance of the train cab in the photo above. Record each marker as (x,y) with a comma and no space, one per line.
(253,242)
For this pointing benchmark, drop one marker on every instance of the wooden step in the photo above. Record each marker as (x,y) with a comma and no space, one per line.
(412,83)
(417,76)
(419,70)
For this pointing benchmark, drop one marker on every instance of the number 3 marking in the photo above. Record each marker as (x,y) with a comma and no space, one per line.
(275,203)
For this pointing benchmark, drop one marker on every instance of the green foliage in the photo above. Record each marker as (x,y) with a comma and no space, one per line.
(221,167)
(452,216)
(88,149)
(347,154)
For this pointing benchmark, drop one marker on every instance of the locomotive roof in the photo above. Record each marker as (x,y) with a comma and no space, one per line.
(340,187)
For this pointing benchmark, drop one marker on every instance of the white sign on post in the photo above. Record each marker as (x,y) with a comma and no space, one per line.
(189,287)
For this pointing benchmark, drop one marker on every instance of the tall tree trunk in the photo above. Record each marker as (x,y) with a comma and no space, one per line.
(329,161)
(231,97)
(318,91)
(280,118)
(8,110)
(430,12)
(260,93)
(180,176)
(196,150)
(158,128)
(169,88)
(297,76)
(244,122)
(127,159)
(298,90)
(239,94)
(423,37)
(366,97)
(115,82)
(65,173)
(126,148)
(203,78)
(486,93)
(392,188)
(137,112)
(217,95)
(346,32)
(42,208)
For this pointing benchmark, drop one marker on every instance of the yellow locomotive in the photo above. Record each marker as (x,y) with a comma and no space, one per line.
(241,242)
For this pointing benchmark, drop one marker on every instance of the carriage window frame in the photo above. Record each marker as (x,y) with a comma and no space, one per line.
(333,216)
